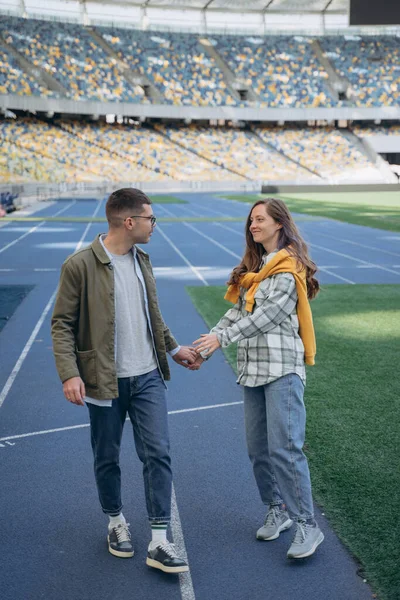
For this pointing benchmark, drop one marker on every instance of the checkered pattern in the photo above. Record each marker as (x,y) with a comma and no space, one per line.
(269,345)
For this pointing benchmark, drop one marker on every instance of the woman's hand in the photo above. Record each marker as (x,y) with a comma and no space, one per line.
(207,343)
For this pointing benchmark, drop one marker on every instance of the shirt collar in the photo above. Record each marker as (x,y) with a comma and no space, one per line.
(110,256)
(267,257)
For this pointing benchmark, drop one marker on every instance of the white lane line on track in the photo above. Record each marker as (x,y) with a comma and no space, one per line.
(189,210)
(323,269)
(333,237)
(210,239)
(84,425)
(35,228)
(185,579)
(183,257)
(37,327)
(358,260)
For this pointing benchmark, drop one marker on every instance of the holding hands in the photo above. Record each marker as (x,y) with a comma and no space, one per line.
(185,357)
(191,357)
(207,344)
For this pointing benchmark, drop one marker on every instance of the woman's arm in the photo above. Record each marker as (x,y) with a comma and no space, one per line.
(279,304)
(230,317)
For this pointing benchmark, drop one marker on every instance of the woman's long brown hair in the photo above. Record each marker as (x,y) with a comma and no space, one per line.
(289,238)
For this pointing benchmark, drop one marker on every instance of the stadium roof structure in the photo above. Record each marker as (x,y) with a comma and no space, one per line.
(259,6)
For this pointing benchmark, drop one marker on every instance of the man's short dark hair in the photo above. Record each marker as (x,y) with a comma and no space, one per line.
(124,203)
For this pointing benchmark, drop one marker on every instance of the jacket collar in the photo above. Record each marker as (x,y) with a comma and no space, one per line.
(102,255)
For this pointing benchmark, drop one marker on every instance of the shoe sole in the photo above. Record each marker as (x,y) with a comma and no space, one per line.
(317,542)
(118,553)
(157,565)
(286,525)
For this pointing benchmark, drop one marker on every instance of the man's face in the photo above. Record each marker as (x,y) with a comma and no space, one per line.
(140,226)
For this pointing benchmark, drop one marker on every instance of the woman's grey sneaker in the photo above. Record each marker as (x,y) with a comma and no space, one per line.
(119,541)
(277,520)
(165,558)
(306,540)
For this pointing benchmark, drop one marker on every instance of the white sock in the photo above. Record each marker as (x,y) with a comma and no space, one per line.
(114,521)
(158,534)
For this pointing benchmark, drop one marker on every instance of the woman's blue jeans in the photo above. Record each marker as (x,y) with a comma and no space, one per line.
(275,420)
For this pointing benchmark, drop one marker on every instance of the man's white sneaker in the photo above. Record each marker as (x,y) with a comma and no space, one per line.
(165,558)
(119,541)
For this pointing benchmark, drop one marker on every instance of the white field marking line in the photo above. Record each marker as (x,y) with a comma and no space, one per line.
(34,333)
(210,239)
(185,579)
(194,270)
(32,229)
(362,262)
(329,272)
(167,212)
(196,214)
(84,425)
(189,210)
(322,269)
(212,210)
(358,244)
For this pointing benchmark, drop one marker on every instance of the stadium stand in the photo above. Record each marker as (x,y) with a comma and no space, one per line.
(175,63)
(362,130)
(70,55)
(14,81)
(283,71)
(239,151)
(40,151)
(149,148)
(371,64)
(324,150)
(68,149)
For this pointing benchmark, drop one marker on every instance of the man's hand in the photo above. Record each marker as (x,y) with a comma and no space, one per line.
(207,343)
(74,390)
(197,364)
(185,357)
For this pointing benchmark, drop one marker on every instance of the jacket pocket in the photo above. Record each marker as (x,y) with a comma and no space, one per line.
(87,365)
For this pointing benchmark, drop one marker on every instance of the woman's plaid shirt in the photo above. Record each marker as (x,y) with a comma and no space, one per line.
(268,341)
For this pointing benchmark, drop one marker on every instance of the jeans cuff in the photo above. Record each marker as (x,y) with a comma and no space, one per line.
(159,519)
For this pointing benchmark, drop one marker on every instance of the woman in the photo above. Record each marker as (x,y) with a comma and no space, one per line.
(272,324)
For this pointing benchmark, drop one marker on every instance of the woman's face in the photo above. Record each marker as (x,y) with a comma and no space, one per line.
(264,229)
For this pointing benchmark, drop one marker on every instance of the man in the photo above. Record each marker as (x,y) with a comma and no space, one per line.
(110,344)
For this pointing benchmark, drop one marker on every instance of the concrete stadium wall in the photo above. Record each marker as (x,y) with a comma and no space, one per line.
(384,143)
(36,192)
(130,109)
(287,189)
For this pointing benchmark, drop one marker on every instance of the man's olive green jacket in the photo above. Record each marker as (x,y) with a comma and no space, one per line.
(83,321)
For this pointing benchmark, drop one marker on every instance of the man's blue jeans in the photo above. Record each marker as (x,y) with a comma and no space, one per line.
(275,420)
(143,399)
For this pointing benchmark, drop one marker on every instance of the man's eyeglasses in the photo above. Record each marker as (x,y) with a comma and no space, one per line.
(152,218)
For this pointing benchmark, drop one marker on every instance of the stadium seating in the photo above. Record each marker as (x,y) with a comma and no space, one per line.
(70,55)
(35,150)
(238,151)
(362,130)
(283,71)
(175,63)
(153,150)
(371,64)
(73,150)
(15,81)
(323,150)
